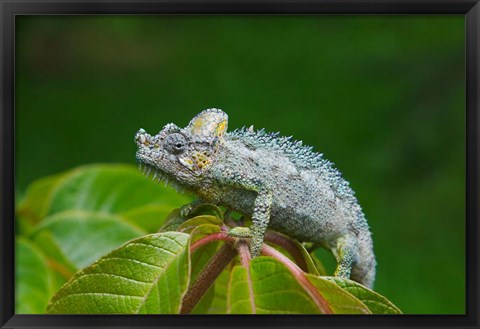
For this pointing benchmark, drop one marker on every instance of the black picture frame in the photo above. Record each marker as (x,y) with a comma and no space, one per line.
(10,8)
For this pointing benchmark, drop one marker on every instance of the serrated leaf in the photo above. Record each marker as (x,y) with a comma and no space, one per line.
(377,303)
(146,275)
(34,280)
(339,300)
(83,236)
(269,287)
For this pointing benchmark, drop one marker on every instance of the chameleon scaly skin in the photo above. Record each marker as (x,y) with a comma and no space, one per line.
(280,183)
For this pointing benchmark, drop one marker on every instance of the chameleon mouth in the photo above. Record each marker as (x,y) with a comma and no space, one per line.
(156,175)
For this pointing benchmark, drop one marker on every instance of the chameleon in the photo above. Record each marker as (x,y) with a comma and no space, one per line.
(278,182)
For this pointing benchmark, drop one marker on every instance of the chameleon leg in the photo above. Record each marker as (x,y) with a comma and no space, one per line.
(261,207)
(260,219)
(346,254)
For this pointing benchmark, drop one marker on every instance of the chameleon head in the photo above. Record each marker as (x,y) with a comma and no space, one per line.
(182,154)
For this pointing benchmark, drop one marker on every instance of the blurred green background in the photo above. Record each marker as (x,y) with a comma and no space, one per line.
(381,96)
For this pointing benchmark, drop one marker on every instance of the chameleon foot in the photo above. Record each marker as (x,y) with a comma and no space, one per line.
(245,232)
(346,249)
(240,232)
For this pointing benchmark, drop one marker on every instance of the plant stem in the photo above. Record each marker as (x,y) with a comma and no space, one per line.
(301,278)
(211,238)
(206,278)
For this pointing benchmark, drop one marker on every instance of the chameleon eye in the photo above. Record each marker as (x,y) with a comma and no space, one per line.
(175,143)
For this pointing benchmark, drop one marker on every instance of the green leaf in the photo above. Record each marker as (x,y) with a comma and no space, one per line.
(23,226)
(318,264)
(146,275)
(34,205)
(149,217)
(34,280)
(267,287)
(110,188)
(206,209)
(194,223)
(339,300)
(172,222)
(377,303)
(55,256)
(83,236)
(119,189)
(313,267)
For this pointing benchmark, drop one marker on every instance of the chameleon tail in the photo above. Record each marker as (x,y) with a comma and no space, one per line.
(363,270)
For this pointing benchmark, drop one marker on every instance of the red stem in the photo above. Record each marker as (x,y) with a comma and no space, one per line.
(301,278)
(209,239)
(207,277)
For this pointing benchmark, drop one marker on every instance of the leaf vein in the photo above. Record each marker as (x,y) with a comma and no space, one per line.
(104,294)
(152,246)
(116,276)
(134,260)
(155,282)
